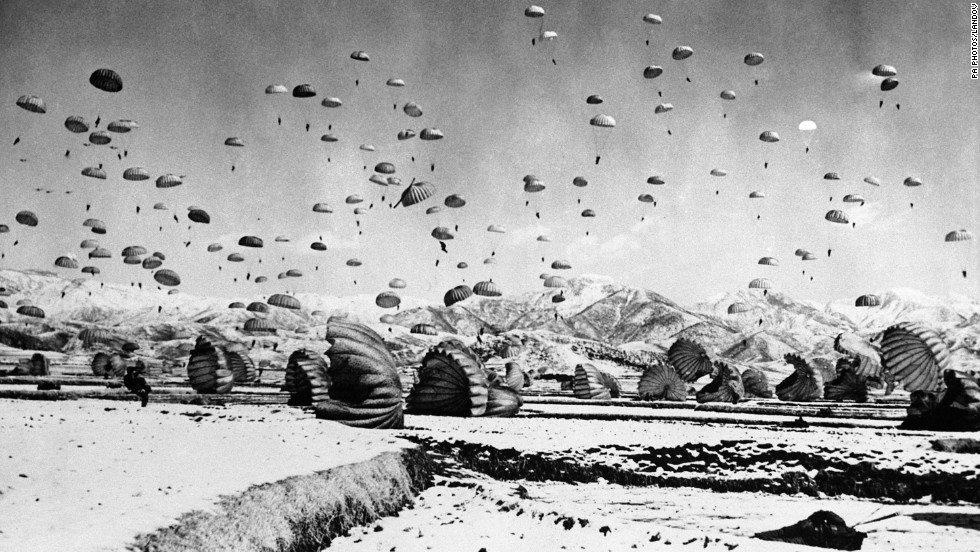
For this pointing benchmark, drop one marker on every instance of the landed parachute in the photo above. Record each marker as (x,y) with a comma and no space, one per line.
(914,355)
(660,382)
(805,384)
(364,387)
(689,359)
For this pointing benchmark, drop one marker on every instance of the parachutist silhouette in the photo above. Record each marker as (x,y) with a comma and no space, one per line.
(669,133)
(371,206)
(853,225)
(532,42)
(176,219)
(964,274)
(16,242)
(811,278)
(538,214)
(688,79)
(97,121)
(542,259)
(437,262)
(642,219)
(187,244)
(579,201)
(358,223)
(355,282)
(586,232)
(527,203)
(232,168)
(716,192)
(16,140)
(413,159)
(758,217)
(140,285)
(492,253)
(382,199)
(159,309)
(357,82)
(235,279)
(724,115)
(765,165)
(432,167)
(161,228)
(119,156)
(660,93)
(442,244)
(911,205)
(828,252)
(898,106)
(881,103)
(360,232)
(62,295)
(807,149)
(765,292)
(87,207)
(597,159)
(553,62)
(757,82)
(248,275)
(279,120)
(307,127)
(68,154)
(125,153)
(137,209)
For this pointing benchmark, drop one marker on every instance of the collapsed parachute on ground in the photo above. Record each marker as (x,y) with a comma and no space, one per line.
(727,386)
(364,389)
(593,384)
(689,359)
(914,355)
(660,382)
(209,368)
(805,384)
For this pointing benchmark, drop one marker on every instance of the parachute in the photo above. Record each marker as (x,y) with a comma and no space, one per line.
(76,124)
(590,383)
(727,386)
(807,129)
(284,301)
(868,301)
(135,174)
(31,103)
(915,356)
(682,52)
(754,59)
(416,193)
(689,359)
(661,382)
(805,384)
(363,388)
(769,261)
(600,124)
(451,383)
(167,277)
(837,216)
(106,79)
(27,218)
(387,300)
(487,289)
(457,294)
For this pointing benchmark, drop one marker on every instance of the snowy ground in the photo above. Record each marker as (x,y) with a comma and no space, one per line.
(90,475)
(644,518)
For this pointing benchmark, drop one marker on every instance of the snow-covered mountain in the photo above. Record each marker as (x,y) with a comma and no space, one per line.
(594,308)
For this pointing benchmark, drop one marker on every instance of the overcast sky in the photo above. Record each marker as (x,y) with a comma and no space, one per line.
(195,74)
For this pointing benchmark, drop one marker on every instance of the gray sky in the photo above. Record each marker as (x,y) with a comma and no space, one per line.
(195,74)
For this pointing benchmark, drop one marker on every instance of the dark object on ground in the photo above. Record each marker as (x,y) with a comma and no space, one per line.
(48,386)
(965,446)
(135,383)
(799,422)
(955,409)
(823,528)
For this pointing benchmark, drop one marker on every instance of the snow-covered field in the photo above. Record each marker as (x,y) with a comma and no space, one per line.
(90,475)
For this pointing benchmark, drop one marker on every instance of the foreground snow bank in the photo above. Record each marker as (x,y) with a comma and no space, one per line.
(91,475)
